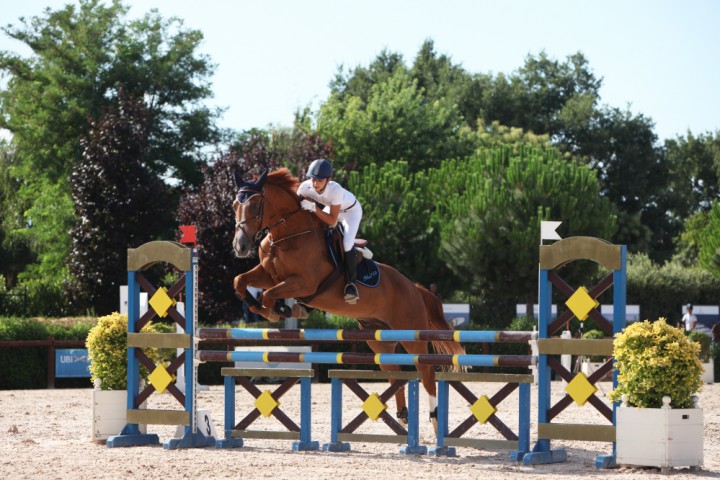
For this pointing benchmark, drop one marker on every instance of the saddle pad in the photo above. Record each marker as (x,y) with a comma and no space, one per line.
(368,273)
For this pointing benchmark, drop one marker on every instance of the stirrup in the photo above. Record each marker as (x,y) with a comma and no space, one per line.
(351,293)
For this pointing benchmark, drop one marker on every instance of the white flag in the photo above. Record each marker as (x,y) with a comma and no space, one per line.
(547,231)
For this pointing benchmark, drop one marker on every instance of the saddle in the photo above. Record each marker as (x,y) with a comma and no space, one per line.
(368,273)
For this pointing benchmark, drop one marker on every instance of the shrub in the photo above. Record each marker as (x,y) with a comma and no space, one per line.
(107,350)
(594,335)
(654,360)
(704,340)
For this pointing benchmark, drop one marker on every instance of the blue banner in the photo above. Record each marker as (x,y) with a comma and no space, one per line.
(72,363)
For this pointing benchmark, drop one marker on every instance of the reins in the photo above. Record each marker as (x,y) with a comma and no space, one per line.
(267,230)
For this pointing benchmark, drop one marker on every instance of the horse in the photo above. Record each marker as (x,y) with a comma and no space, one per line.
(295,262)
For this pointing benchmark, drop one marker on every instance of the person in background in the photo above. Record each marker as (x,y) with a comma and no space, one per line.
(689,319)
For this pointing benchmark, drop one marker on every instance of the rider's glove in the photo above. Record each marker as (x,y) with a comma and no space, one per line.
(307,205)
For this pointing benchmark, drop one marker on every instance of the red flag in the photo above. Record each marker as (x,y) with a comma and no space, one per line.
(188,234)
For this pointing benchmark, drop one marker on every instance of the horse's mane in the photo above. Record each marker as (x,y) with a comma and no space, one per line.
(284,179)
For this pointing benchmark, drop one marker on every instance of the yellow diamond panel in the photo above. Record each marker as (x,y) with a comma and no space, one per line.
(160,378)
(581,303)
(161,301)
(580,389)
(265,403)
(374,407)
(482,409)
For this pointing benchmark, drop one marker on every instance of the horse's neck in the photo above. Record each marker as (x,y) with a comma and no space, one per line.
(286,205)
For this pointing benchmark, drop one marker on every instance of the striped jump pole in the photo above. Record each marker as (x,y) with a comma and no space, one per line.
(468,336)
(369,358)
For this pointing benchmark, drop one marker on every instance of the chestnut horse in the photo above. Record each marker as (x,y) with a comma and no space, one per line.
(295,261)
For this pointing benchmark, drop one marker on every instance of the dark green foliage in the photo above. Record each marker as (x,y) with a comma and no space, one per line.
(704,340)
(490,207)
(118,204)
(398,220)
(661,290)
(26,368)
(709,242)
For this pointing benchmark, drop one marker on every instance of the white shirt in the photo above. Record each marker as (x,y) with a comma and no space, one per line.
(334,194)
(690,321)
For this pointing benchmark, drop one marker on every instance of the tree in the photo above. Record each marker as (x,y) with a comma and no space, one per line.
(694,162)
(490,207)
(117,202)
(394,123)
(81,57)
(15,251)
(398,220)
(709,242)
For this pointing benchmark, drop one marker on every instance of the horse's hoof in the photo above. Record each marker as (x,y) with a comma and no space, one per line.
(402,415)
(273,317)
(299,312)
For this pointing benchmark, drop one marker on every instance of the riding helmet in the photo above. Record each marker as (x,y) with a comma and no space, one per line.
(320,169)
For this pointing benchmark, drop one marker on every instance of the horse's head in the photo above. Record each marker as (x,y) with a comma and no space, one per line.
(248,206)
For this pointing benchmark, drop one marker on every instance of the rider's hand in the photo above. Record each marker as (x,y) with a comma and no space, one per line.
(308,205)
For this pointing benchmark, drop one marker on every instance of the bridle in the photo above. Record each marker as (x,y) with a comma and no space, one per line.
(262,232)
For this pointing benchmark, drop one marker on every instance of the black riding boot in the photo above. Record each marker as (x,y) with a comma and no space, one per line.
(351,291)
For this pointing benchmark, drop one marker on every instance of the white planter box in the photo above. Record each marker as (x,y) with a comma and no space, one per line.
(660,437)
(708,375)
(109,408)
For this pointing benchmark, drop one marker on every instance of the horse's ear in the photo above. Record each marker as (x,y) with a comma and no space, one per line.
(238,179)
(261,180)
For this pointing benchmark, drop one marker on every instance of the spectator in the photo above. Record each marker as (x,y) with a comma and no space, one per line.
(689,319)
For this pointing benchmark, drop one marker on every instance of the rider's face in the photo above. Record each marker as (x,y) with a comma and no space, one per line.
(319,184)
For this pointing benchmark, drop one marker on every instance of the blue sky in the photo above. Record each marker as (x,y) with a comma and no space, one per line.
(659,58)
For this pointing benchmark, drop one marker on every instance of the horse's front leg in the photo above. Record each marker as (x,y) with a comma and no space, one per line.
(259,278)
(291,287)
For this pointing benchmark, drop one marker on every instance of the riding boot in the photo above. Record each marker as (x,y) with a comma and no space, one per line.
(351,291)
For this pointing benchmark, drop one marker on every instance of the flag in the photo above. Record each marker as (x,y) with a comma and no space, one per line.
(188,234)
(547,231)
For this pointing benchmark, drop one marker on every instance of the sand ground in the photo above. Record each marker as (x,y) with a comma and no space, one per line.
(46,434)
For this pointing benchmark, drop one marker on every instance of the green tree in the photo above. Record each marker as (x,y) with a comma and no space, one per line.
(394,123)
(694,162)
(15,251)
(82,55)
(709,242)
(398,219)
(490,207)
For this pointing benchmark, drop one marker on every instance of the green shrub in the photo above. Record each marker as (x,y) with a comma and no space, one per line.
(654,360)
(704,340)
(657,288)
(594,335)
(26,367)
(107,350)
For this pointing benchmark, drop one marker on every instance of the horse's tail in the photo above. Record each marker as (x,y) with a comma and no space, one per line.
(437,321)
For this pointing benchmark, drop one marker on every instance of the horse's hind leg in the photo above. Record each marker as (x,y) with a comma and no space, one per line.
(389,347)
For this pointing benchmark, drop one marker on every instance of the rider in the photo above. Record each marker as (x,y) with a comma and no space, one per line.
(340,205)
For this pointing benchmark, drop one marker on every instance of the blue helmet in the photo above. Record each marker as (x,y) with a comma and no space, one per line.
(320,169)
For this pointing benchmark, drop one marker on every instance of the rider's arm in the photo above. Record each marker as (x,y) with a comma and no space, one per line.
(329,218)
